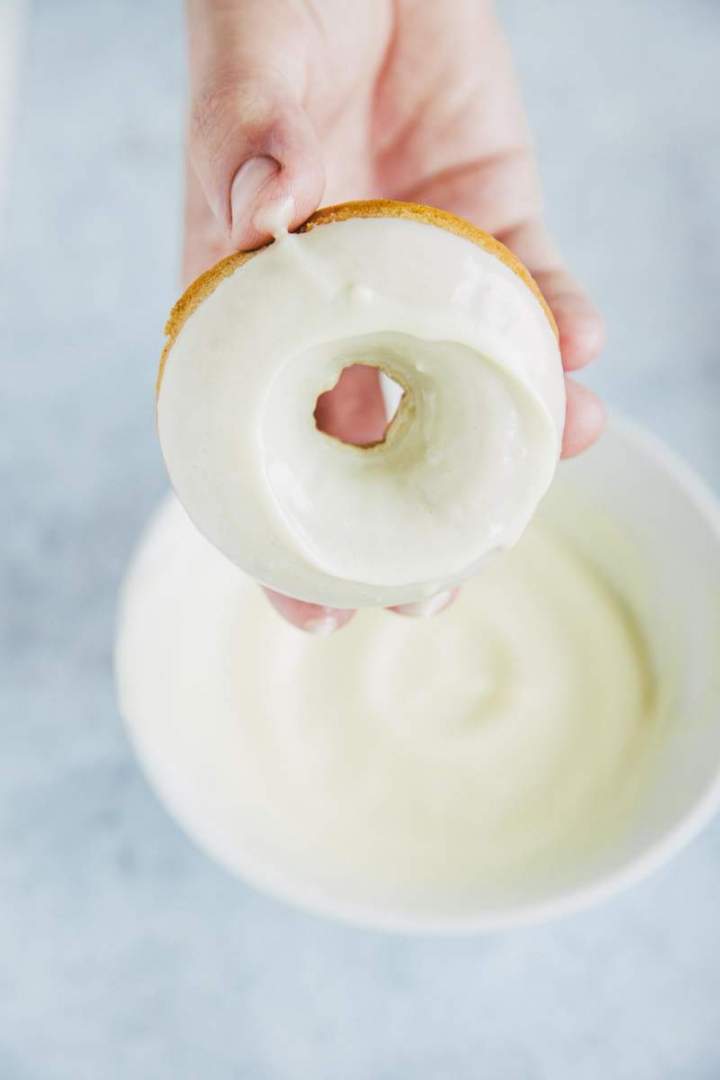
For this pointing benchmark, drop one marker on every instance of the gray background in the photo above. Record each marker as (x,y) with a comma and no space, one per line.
(124,953)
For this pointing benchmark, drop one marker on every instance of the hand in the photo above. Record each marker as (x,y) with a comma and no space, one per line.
(332,100)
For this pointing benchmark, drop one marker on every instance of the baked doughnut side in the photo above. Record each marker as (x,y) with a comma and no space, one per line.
(196,292)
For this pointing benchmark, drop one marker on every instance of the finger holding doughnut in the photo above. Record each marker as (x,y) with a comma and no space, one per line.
(312,618)
(580,327)
(251,141)
(584,418)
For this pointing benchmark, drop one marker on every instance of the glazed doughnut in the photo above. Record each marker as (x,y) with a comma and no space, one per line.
(443,309)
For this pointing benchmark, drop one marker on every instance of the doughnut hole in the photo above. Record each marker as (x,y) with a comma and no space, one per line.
(360,407)
(417,500)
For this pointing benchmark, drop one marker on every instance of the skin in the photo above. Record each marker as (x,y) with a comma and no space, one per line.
(330,100)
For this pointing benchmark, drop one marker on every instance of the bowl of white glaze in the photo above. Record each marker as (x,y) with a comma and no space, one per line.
(233,733)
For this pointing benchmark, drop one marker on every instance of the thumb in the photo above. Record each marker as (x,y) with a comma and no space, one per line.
(251,141)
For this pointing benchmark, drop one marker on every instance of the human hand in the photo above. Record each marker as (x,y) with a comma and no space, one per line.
(330,100)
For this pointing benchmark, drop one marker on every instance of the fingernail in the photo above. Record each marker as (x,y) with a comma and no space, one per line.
(274,218)
(322,626)
(422,609)
(248,181)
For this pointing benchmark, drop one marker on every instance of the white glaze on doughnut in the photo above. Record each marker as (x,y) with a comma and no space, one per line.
(274,218)
(472,451)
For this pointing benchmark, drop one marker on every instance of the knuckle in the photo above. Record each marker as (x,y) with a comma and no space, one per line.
(232,100)
(209,110)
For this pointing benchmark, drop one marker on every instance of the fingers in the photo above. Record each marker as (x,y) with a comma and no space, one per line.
(433,605)
(205,241)
(354,410)
(322,621)
(581,328)
(250,148)
(251,141)
(313,618)
(584,418)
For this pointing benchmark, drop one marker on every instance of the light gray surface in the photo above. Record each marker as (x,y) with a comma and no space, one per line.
(124,953)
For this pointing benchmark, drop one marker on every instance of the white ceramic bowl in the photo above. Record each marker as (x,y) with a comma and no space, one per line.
(667,517)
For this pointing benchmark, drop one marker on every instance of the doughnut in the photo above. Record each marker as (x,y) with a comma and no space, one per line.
(441,308)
